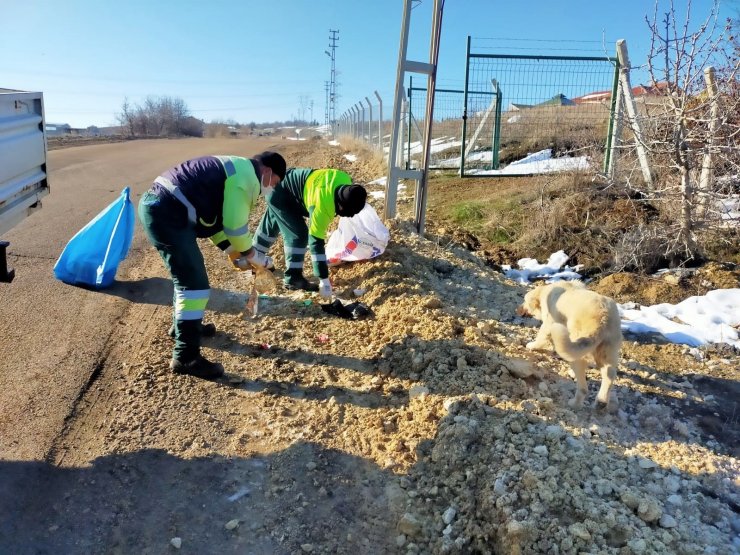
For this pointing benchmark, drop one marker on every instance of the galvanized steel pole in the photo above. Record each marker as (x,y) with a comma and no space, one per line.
(380,121)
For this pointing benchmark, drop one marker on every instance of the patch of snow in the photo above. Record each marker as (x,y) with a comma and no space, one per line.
(529,268)
(539,162)
(729,209)
(711,318)
(334,143)
(351,157)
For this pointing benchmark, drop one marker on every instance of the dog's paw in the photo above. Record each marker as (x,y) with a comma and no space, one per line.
(534,346)
(610,405)
(575,403)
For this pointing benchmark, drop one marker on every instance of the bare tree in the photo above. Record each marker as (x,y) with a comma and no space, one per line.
(159,116)
(126,117)
(689,123)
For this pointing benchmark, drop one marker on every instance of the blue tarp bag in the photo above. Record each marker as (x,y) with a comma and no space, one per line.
(92,256)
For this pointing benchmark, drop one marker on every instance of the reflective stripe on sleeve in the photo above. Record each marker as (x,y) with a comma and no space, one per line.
(235,232)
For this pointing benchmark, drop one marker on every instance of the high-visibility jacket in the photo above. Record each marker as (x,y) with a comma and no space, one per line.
(314,191)
(219,193)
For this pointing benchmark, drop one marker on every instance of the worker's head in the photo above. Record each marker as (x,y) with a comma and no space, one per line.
(349,200)
(272,168)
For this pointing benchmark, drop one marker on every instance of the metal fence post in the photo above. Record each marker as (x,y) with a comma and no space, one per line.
(465,110)
(410,115)
(358,126)
(707,164)
(380,121)
(362,125)
(629,102)
(369,121)
(401,122)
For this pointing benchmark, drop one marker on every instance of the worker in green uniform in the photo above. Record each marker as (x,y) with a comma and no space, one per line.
(212,197)
(316,195)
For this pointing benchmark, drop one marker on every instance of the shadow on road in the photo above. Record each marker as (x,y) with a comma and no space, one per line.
(137,502)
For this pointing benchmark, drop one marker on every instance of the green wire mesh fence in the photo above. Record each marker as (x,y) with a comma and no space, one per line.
(518,115)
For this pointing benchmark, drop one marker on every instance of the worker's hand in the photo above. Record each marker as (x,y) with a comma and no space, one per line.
(260,260)
(233,255)
(325,288)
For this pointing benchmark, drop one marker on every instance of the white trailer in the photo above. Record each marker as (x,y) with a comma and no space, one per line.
(23,175)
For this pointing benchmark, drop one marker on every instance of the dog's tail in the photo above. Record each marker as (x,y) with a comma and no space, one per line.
(567,348)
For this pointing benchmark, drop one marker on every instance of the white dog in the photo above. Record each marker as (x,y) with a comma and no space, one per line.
(579,322)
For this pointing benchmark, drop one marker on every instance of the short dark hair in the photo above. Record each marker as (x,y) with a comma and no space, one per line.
(274,161)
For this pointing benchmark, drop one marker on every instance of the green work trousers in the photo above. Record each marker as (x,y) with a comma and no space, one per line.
(285,215)
(166,224)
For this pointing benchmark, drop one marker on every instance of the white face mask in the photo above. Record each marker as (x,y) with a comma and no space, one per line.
(266,189)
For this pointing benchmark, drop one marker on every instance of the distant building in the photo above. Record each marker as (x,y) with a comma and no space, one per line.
(557,100)
(58,129)
(640,91)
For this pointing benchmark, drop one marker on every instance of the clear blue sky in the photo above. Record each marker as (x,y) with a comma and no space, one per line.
(250,60)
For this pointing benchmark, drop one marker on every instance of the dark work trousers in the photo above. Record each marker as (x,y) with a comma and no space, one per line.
(286,215)
(166,224)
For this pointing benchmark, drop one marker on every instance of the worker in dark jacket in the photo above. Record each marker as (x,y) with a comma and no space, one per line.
(212,197)
(319,196)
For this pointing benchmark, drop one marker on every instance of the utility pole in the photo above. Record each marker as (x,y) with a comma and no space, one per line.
(332,53)
(326,103)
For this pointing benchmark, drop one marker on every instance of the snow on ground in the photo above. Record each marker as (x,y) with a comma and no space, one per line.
(711,318)
(334,143)
(552,270)
(539,162)
(729,209)
(351,157)
(380,181)
(381,194)
(534,163)
(436,145)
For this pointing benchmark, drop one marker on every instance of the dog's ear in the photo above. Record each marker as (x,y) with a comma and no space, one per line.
(531,304)
(536,299)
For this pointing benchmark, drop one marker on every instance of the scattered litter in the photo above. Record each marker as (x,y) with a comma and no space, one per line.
(323,338)
(307,302)
(265,346)
(359,292)
(176,543)
(232,524)
(239,494)
(264,281)
(252,307)
(351,311)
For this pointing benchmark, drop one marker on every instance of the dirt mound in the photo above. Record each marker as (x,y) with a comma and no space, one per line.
(426,428)
(671,287)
